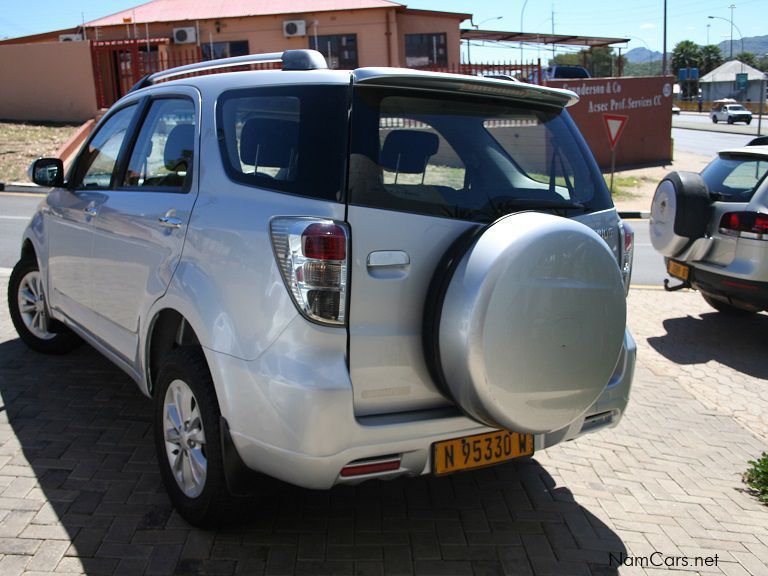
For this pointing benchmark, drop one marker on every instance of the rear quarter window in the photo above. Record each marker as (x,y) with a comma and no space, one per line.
(290,139)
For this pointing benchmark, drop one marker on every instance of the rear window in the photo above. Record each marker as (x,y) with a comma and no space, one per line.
(468,158)
(290,139)
(734,178)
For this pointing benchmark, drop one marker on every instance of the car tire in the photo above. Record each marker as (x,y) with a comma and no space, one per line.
(714,119)
(748,121)
(29,312)
(730,120)
(726,308)
(188,439)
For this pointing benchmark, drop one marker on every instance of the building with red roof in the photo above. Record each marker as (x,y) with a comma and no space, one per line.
(349,33)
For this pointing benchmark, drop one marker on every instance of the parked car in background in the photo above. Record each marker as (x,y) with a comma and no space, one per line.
(557,72)
(330,276)
(712,229)
(675,109)
(731,113)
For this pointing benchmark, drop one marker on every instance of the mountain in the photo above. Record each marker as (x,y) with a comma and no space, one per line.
(758,45)
(641,54)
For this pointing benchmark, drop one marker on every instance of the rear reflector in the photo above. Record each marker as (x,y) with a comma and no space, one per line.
(370,467)
(753,225)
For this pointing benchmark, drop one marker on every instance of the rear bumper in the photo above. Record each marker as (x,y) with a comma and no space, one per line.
(306,432)
(730,287)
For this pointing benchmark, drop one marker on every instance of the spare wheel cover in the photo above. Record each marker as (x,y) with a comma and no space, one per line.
(532,323)
(662,222)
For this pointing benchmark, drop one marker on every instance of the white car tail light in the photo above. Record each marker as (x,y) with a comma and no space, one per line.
(628,252)
(312,255)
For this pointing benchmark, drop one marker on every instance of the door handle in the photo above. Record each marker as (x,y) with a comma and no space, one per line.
(169,222)
(388,258)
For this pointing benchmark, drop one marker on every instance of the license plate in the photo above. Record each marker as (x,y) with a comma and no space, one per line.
(479,450)
(678,270)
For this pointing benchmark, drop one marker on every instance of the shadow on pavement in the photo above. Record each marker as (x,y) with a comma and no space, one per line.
(736,342)
(84,432)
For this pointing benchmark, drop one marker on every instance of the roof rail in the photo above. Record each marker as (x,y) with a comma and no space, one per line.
(291,59)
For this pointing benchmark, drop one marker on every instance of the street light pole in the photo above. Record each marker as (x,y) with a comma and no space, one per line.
(522,11)
(664,51)
(732,27)
(476,27)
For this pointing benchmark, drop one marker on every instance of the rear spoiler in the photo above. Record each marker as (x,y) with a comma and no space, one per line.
(480,85)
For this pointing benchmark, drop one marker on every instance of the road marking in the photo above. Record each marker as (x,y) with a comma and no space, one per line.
(15,217)
(27,194)
(650,287)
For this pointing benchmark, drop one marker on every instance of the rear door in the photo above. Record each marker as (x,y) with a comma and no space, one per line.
(139,233)
(425,167)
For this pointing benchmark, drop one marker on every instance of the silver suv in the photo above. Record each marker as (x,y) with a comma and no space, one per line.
(331,276)
(712,229)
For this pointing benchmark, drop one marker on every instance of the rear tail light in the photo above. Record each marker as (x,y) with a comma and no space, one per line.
(312,256)
(628,253)
(751,225)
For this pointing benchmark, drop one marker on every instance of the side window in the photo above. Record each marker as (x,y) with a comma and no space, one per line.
(97,162)
(289,139)
(162,155)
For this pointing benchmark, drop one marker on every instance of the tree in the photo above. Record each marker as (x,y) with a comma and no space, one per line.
(686,54)
(711,58)
(762,64)
(747,58)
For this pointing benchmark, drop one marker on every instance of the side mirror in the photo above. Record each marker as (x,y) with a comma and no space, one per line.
(48,172)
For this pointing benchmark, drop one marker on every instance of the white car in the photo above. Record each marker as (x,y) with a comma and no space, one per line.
(712,229)
(331,276)
(731,113)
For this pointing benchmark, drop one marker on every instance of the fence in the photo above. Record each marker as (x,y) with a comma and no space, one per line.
(119,64)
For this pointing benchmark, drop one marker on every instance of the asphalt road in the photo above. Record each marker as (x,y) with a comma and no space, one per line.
(648,267)
(704,122)
(15,211)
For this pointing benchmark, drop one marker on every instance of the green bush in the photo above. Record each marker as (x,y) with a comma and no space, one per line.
(757,477)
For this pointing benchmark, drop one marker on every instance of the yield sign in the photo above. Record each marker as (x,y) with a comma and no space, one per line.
(614,124)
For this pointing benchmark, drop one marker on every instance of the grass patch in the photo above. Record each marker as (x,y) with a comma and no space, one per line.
(757,477)
(22,142)
(628,186)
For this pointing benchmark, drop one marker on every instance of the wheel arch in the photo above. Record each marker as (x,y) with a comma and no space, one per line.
(168,330)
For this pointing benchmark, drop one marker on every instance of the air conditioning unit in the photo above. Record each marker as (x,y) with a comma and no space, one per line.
(294,28)
(70,37)
(184,35)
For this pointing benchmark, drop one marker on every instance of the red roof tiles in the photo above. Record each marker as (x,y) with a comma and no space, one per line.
(181,10)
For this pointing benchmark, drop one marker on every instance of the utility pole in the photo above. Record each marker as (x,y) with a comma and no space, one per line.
(553,31)
(664,50)
(708,25)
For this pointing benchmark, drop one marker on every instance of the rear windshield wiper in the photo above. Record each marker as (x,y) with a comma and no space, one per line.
(535,203)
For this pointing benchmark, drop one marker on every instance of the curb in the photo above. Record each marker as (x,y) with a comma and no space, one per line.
(629,215)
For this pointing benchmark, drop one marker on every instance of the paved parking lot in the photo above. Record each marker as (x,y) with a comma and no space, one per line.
(79,490)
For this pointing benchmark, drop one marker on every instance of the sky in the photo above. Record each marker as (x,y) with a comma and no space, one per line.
(640,20)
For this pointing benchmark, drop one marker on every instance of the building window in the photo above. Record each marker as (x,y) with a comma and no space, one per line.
(339,50)
(214,50)
(426,50)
